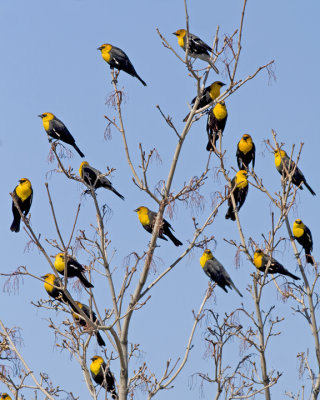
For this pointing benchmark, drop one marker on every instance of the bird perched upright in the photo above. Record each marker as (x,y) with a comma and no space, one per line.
(284,165)
(50,281)
(74,269)
(5,396)
(148,219)
(102,375)
(197,48)
(92,316)
(93,177)
(56,129)
(216,122)
(246,152)
(117,58)
(209,94)
(261,260)
(216,272)
(23,195)
(303,236)
(240,187)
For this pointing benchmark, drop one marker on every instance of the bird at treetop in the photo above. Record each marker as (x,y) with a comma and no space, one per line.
(261,260)
(209,94)
(102,375)
(197,48)
(246,152)
(92,316)
(117,58)
(281,158)
(148,219)
(216,122)
(56,129)
(93,177)
(216,271)
(50,282)
(74,269)
(239,187)
(303,236)
(23,195)
(5,396)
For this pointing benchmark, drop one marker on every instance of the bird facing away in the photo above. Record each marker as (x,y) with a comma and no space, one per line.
(50,282)
(92,316)
(102,375)
(93,177)
(56,129)
(197,48)
(216,123)
(74,269)
(209,94)
(216,272)
(23,195)
(281,159)
(117,58)
(240,187)
(5,396)
(148,219)
(303,236)
(246,152)
(260,260)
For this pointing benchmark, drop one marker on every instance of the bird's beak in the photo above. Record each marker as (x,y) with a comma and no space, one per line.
(223,84)
(41,116)
(99,48)
(43,277)
(174,33)
(135,210)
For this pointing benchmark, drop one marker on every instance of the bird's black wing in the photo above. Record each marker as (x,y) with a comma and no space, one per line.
(58,130)
(307,232)
(121,61)
(197,45)
(253,154)
(215,270)
(204,98)
(90,176)
(241,195)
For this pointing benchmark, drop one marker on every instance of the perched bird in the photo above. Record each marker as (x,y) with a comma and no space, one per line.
(148,219)
(216,272)
(216,123)
(261,260)
(303,236)
(197,48)
(240,187)
(117,58)
(102,375)
(281,158)
(246,152)
(209,94)
(92,316)
(95,178)
(74,269)
(5,396)
(50,282)
(23,195)
(56,129)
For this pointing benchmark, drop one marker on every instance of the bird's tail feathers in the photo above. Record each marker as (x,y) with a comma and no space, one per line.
(85,282)
(230,214)
(141,80)
(78,150)
(15,226)
(309,188)
(309,258)
(175,241)
(235,288)
(206,57)
(100,341)
(295,277)
(117,193)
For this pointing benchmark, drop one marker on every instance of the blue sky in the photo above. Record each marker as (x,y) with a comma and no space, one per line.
(50,63)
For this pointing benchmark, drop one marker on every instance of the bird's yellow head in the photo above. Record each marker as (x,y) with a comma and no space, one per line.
(25,182)
(83,164)
(5,396)
(46,116)
(257,258)
(207,255)
(247,138)
(298,221)
(105,48)
(141,210)
(48,277)
(59,262)
(180,33)
(280,154)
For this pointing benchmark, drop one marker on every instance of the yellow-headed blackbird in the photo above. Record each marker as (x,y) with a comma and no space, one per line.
(210,93)
(56,129)
(216,123)
(92,316)
(93,177)
(74,269)
(23,195)
(148,219)
(216,272)
(281,158)
(303,236)
(240,187)
(260,260)
(117,58)
(246,152)
(102,375)
(50,282)
(5,396)
(197,48)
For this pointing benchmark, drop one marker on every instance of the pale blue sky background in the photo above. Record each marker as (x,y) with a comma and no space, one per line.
(50,63)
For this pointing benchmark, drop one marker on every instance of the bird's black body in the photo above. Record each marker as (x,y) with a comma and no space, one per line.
(244,159)
(239,195)
(91,315)
(214,126)
(75,269)
(275,268)
(105,378)
(307,243)
(24,206)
